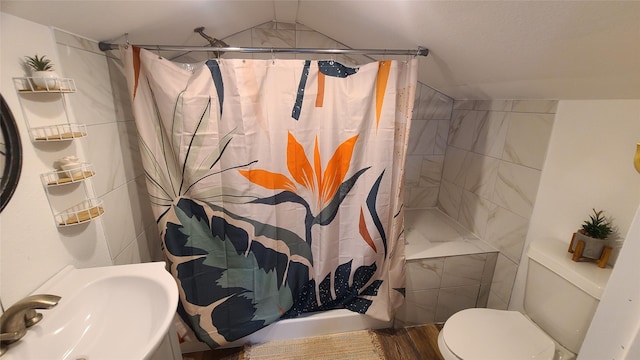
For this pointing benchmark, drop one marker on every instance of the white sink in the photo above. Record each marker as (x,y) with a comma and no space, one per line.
(115,312)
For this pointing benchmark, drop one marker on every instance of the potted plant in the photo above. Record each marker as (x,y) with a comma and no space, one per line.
(42,72)
(594,235)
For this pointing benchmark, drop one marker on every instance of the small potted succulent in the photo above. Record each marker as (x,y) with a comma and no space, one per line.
(594,234)
(42,72)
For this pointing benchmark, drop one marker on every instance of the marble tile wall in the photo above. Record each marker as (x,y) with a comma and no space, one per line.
(491,171)
(438,287)
(101,103)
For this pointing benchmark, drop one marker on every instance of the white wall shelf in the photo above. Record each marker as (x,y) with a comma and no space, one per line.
(41,93)
(64,177)
(80,213)
(60,132)
(51,87)
(59,85)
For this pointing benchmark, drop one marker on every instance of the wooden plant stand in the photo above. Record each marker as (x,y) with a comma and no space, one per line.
(579,248)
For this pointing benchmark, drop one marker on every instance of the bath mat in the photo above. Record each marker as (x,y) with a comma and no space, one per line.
(354,345)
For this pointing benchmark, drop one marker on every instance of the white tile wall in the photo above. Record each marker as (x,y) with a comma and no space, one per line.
(490,176)
(438,287)
(102,103)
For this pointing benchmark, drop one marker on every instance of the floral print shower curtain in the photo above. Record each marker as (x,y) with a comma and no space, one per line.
(277,185)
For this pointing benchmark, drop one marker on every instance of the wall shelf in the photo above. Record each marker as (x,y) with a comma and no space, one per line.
(60,132)
(80,213)
(64,177)
(60,85)
(52,91)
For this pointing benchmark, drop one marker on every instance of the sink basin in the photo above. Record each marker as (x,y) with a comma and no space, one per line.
(115,312)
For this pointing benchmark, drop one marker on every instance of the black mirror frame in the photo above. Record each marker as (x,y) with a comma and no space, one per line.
(13,148)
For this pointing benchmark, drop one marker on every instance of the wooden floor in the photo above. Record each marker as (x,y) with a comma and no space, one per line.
(412,343)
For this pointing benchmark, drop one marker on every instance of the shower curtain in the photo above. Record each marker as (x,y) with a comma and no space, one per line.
(277,185)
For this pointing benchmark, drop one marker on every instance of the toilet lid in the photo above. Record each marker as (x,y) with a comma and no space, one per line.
(495,334)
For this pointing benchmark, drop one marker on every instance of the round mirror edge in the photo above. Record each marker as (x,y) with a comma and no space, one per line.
(13,153)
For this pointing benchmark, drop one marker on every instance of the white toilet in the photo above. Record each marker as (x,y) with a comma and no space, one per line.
(561,297)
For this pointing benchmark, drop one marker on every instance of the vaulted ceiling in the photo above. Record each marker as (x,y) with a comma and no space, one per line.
(479,49)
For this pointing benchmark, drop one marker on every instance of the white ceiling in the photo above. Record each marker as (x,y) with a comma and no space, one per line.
(479,49)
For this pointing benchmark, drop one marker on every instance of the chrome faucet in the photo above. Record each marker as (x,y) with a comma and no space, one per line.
(16,319)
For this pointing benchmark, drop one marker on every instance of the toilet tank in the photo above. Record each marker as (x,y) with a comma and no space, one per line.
(561,295)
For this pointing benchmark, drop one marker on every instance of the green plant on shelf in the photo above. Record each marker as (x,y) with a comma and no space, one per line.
(597,226)
(39,63)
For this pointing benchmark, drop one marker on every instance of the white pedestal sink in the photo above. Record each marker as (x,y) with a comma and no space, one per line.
(115,312)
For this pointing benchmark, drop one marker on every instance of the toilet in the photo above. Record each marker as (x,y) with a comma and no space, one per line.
(560,299)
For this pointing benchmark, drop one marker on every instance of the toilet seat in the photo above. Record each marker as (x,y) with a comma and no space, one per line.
(494,335)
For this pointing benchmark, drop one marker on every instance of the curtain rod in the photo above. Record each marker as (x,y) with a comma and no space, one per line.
(420,51)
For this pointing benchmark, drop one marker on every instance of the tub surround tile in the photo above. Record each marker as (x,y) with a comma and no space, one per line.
(93,102)
(130,147)
(452,300)
(503,278)
(122,104)
(431,170)
(463,270)
(241,39)
(285,26)
(462,129)
(454,169)
(449,198)
(464,104)
(516,188)
(491,134)
(432,105)
(151,237)
(535,106)
(507,232)
(273,38)
(118,221)
(481,175)
(413,170)
(494,105)
(441,137)
(64,38)
(424,274)
(422,137)
(527,139)
(419,197)
(483,295)
(494,302)
(419,308)
(313,39)
(108,164)
(140,204)
(269,25)
(130,255)
(489,268)
(474,212)
(303,27)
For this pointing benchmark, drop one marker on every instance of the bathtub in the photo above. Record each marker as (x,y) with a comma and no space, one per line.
(431,237)
(307,325)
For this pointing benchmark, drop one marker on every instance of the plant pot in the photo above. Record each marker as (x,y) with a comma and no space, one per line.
(593,247)
(46,80)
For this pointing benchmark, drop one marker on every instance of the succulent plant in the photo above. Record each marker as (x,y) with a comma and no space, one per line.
(39,63)
(597,226)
